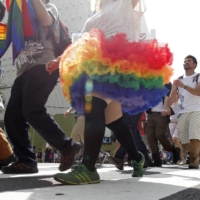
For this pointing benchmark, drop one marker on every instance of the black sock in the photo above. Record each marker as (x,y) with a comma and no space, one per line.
(125,138)
(94,132)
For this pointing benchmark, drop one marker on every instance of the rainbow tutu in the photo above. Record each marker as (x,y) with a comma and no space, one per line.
(133,73)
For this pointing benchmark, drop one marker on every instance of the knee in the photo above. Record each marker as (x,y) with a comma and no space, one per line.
(10,116)
(29,114)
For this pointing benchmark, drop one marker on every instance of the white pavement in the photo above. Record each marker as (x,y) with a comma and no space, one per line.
(156,184)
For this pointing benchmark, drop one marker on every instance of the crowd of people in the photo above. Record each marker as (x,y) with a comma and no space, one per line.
(111,78)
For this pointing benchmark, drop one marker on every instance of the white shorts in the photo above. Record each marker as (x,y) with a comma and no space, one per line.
(189,126)
(173,130)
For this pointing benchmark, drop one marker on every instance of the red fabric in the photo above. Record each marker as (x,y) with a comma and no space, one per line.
(8,2)
(140,122)
(28,30)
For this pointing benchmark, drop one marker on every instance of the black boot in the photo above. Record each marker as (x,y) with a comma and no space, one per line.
(157,161)
(176,154)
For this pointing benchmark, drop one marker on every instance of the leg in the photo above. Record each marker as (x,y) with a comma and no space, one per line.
(161,134)
(132,122)
(162,124)
(150,130)
(194,135)
(77,133)
(34,89)
(17,126)
(187,147)
(94,120)
(85,172)
(118,127)
(178,144)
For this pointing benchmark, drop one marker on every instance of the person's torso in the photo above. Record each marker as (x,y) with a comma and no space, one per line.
(38,49)
(118,18)
(187,101)
(158,108)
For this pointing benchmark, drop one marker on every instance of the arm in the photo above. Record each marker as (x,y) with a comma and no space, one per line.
(172,95)
(134,3)
(194,91)
(166,110)
(44,17)
(66,113)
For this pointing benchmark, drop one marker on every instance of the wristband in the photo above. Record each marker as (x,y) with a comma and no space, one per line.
(185,87)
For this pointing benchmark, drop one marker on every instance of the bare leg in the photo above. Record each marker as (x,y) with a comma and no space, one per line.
(187,147)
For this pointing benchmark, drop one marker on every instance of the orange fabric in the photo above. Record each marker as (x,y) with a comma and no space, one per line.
(5,148)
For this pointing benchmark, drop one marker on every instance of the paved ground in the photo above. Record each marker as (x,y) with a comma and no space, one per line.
(167,183)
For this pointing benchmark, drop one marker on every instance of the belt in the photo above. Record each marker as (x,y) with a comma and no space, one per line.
(155,112)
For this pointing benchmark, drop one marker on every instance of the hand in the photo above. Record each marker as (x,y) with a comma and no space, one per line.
(178,83)
(66,113)
(166,112)
(52,66)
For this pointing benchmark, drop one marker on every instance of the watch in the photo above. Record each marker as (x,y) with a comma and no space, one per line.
(185,87)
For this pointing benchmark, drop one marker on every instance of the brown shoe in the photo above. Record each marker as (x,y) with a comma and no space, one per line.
(119,163)
(7,161)
(19,168)
(194,161)
(68,157)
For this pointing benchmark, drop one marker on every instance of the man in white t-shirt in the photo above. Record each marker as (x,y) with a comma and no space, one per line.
(188,87)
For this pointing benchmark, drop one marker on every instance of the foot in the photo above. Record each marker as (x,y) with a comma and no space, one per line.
(79,175)
(19,168)
(68,157)
(148,163)
(183,162)
(119,163)
(176,154)
(7,161)
(138,170)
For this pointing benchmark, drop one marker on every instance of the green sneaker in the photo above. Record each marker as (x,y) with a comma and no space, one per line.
(138,170)
(78,175)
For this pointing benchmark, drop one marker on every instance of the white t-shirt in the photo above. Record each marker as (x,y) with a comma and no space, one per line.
(187,101)
(158,108)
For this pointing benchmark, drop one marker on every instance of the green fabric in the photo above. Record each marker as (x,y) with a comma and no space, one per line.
(2,44)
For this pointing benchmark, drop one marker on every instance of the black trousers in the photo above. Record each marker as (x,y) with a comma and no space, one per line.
(26,107)
(132,122)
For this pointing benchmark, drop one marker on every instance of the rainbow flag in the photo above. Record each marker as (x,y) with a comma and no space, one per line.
(22,24)
(3,30)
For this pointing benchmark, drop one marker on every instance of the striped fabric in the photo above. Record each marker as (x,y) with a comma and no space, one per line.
(21,25)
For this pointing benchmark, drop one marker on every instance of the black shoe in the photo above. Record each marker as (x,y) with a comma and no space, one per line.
(119,163)
(67,158)
(7,161)
(157,161)
(176,154)
(19,168)
(148,163)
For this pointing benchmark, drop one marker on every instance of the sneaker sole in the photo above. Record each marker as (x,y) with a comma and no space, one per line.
(71,183)
(7,172)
